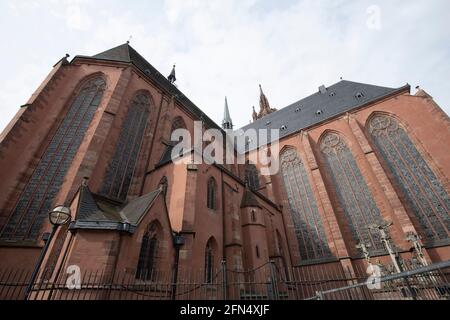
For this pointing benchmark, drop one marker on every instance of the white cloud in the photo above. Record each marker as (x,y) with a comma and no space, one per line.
(229,47)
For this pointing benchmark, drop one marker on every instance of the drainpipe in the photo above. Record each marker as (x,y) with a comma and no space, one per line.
(178,242)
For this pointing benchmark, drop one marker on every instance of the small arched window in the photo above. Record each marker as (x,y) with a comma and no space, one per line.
(147,257)
(209,262)
(253,216)
(211,196)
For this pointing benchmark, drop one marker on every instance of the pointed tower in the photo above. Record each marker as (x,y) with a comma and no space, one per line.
(253,224)
(264,106)
(227,123)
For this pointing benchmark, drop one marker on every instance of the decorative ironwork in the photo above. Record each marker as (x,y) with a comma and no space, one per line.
(308,224)
(121,169)
(353,193)
(45,182)
(425,195)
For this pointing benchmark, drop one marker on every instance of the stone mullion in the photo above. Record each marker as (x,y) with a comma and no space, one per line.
(355,223)
(366,201)
(408,187)
(122,166)
(33,193)
(303,212)
(134,136)
(71,139)
(312,215)
(395,204)
(419,185)
(295,219)
(324,201)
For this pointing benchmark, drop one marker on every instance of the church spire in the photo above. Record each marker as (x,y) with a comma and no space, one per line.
(227,123)
(263,103)
(264,106)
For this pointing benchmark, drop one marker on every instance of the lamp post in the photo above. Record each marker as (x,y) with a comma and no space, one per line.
(58,217)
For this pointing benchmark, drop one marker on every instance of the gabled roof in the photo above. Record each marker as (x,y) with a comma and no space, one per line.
(339,98)
(99,213)
(126,53)
(249,199)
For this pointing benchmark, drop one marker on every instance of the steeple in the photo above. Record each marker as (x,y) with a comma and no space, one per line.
(263,103)
(172,77)
(227,123)
(264,106)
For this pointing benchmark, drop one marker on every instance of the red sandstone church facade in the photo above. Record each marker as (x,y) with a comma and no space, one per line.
(95,136)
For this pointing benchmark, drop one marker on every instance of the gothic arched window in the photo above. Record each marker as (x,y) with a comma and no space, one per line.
(424,193)
(147,256)
(252,176)
(211,196)
(177,123)
(45,182)
(308,224)
(121,168)
(353,193)
(209,261)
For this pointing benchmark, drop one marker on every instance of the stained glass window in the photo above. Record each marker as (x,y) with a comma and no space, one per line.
(147,257)
(211,196)
(427,199)
(120,171)
(353,193)
(45,182)
(308,224)
(209,262)
(252,176)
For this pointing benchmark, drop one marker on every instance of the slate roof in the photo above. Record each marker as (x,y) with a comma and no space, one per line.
(249,199)
(98,212)
(126,53)
(339,98)
(318,107)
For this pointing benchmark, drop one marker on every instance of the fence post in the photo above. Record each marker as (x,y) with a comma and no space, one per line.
(224,280)
(273,280)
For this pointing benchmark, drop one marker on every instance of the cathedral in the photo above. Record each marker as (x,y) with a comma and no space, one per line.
(95,138)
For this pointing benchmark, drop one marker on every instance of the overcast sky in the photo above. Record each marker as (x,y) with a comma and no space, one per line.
(228,47)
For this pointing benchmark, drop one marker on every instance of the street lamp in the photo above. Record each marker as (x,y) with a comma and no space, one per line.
(59,216)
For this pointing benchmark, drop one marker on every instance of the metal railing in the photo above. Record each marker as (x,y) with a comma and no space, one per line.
(269,282)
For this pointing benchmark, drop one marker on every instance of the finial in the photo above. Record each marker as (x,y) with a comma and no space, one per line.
(172,77)
(129,39)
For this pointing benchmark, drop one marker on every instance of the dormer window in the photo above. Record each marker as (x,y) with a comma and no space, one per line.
(359,95)
(332,94)
(268,123)
(298,110)
(283,128)
(319,112)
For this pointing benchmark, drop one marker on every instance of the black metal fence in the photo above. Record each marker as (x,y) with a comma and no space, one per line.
(269,282)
